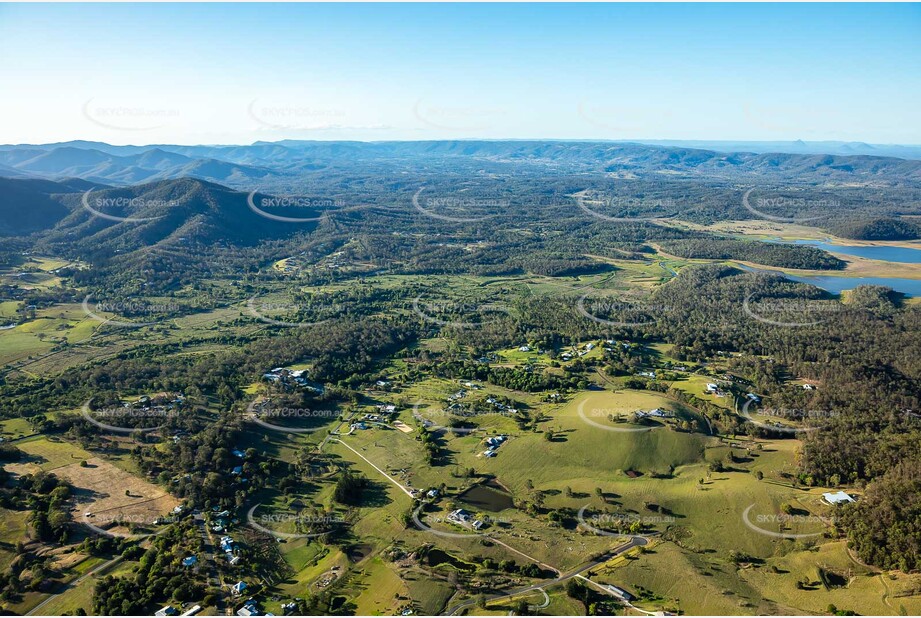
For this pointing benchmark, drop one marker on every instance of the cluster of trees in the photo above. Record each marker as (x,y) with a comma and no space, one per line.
(46,498)
(878,229)
(884,526)
(769,254)
(349,488)
(158,577)
(506,377)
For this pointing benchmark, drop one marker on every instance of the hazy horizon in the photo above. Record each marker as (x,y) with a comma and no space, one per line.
(236,74)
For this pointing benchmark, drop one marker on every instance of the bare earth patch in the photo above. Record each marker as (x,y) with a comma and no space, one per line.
(112,494)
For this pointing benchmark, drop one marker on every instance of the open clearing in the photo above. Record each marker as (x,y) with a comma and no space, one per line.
(111,494)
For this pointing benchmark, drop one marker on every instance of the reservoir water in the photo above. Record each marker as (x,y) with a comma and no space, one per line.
(904,255)
(836,285)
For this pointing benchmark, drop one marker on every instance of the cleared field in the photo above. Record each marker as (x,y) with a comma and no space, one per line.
(15,428)
(379,590)
(13,529)
(834,578)
(8,308)
(680,580)
(588,448)
(111,494)
(47,454)
(60,324)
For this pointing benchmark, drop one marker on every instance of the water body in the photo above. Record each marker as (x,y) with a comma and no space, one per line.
(487,497)
(903,255)
(836,285)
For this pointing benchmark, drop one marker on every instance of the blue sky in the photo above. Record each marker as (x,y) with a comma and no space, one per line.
(235,73)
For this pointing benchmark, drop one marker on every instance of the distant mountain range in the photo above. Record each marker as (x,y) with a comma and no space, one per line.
(287,163)
(797,147)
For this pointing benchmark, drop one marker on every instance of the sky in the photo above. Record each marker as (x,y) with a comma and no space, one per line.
(239,73)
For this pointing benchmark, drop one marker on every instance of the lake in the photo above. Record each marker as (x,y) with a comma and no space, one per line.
(904,255)
(836,285)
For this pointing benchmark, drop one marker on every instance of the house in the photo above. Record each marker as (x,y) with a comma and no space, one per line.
(432,493)
(238,588)
(249,609)
(489,453)
(477,524)
(808,387)
(712,388)
(459,516)
(192,610)
(524,348)
(233,560)
(238,453)
(836,498)
(190,561)
(753,397)
(169,610)
(238,470)
(289,607)
(589,346)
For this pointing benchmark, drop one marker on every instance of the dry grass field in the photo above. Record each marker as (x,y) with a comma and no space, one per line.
(113,495)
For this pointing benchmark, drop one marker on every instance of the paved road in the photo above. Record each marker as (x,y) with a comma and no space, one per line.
(636,541)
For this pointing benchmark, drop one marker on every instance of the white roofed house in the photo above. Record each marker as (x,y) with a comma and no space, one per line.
(836,498)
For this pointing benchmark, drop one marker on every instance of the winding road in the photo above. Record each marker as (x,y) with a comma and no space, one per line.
(636,541)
